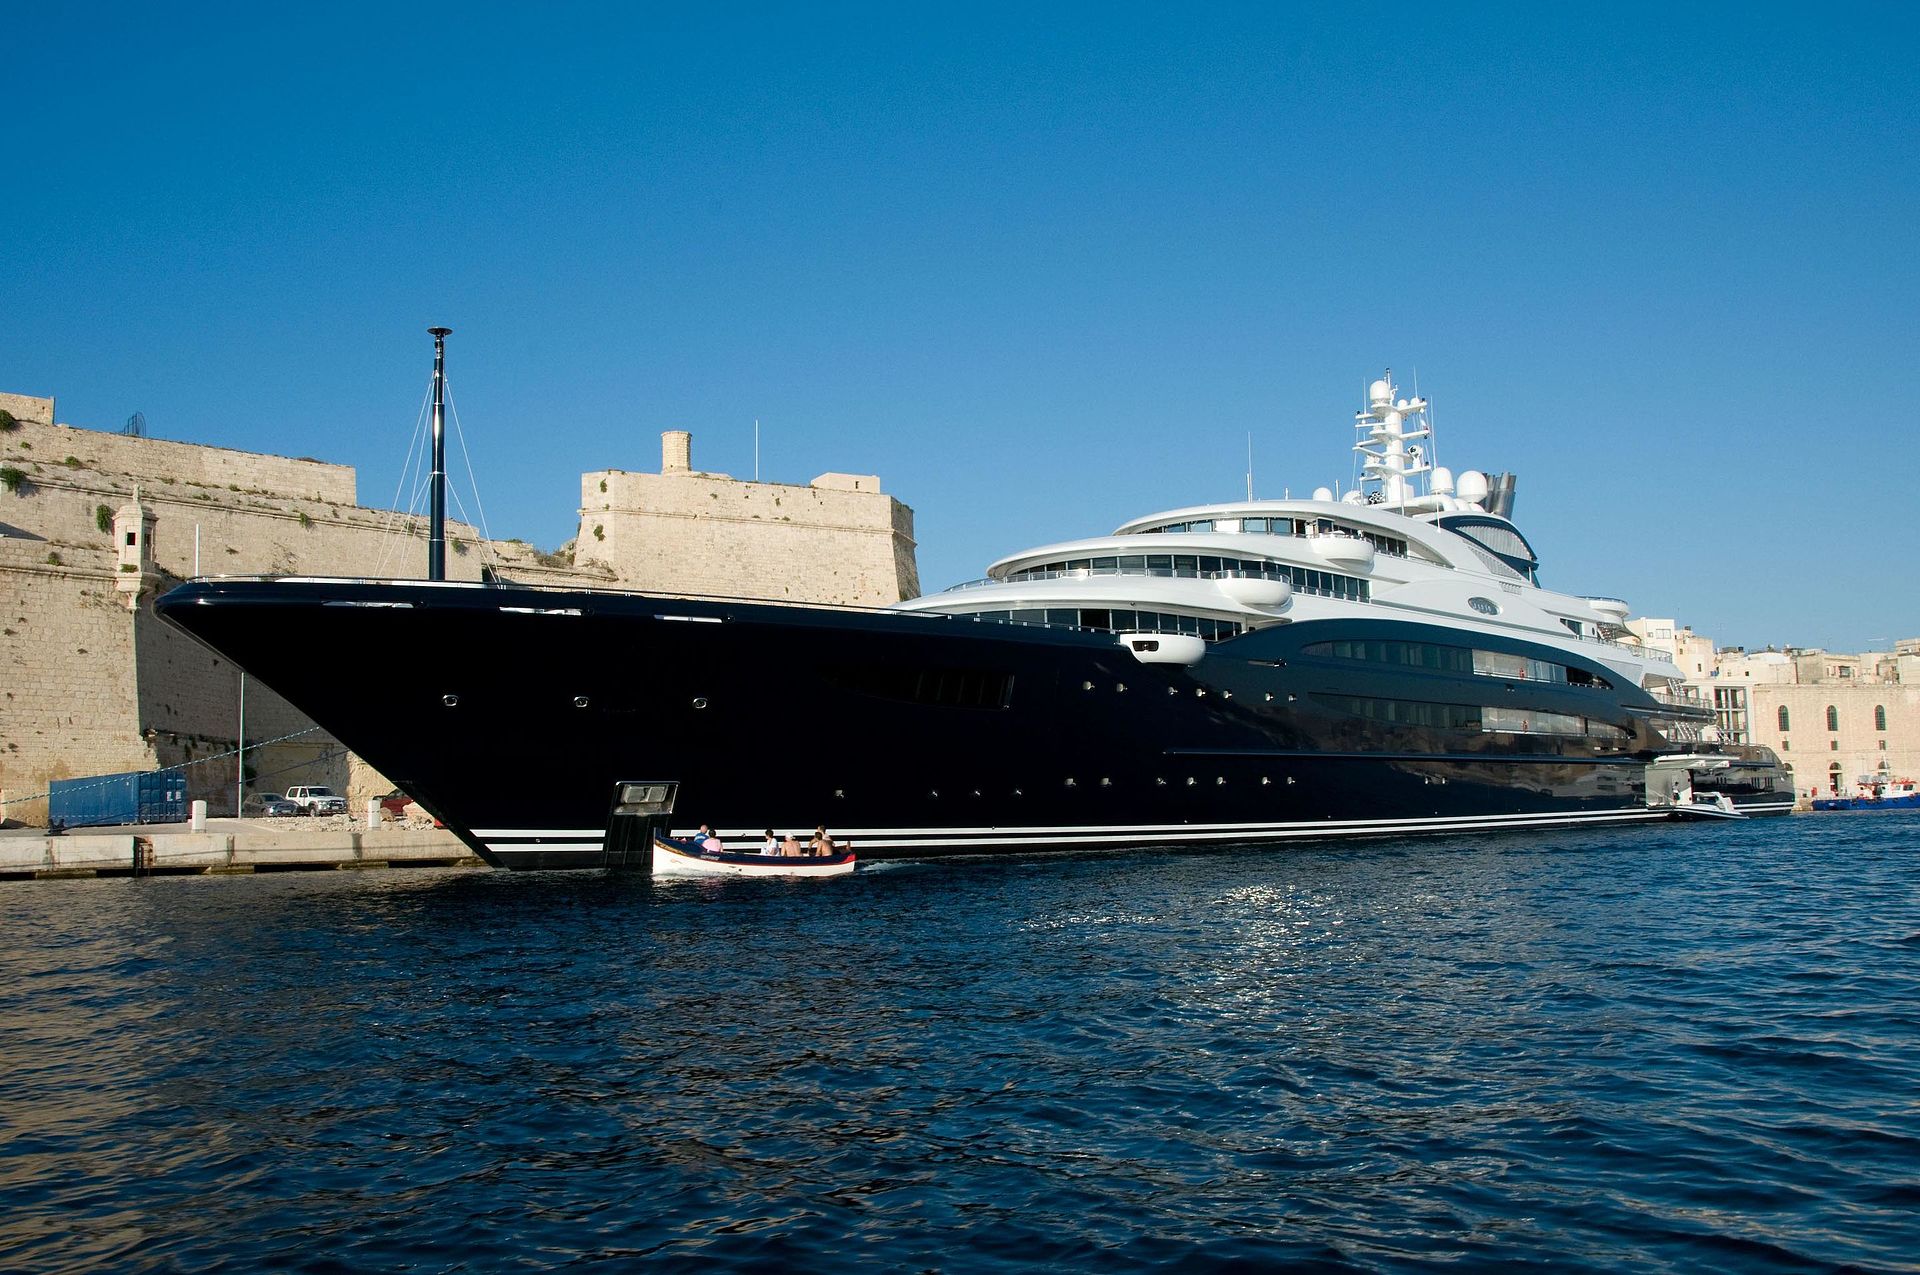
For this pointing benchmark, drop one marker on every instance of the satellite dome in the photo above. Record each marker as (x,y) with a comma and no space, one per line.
(1473,486)
(1323,493)
(1442,481)
(1380,391)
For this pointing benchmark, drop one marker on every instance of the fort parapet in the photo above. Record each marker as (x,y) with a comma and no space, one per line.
(838,539)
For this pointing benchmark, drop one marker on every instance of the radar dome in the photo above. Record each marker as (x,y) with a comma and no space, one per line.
(1323,493)
(1380,391)
(1473,486)
(1442,481)
(1355,497)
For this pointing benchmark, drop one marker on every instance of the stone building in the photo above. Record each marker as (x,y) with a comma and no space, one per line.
(1838,720)
(94,526)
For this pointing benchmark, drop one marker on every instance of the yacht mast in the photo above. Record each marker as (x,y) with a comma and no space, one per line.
(1389,460)
(437,526)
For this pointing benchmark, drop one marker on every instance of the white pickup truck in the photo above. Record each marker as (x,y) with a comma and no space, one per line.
(314,799)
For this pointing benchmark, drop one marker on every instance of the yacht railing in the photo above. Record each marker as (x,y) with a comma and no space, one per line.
(1280,571)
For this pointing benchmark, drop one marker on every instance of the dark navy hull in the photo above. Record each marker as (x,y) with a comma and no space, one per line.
(511,714)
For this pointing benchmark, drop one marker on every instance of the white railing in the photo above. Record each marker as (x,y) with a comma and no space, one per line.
(1280,571)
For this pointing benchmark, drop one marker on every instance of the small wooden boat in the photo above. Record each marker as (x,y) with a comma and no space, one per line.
(675,858)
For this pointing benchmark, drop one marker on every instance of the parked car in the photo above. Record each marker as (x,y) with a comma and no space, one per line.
(270,805)
(317,799)
(394,805)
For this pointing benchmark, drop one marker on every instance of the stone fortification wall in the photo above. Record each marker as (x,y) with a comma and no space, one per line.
(67,681)
(837,540)
(253,514)
(95,686)
(160,459)
(91,682)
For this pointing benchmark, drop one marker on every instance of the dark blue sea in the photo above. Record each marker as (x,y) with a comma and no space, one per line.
(1688,1048)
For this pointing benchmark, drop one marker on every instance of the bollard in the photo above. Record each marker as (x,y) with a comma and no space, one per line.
(373,812)
(198,819)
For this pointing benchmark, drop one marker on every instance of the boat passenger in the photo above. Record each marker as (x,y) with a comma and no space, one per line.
(707,841)
(771,845)
(791,847)
(822,844)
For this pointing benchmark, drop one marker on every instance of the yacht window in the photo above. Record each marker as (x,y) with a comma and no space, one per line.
(1092,618)
(1209,566)
(944,688)
(1406,712)
(1205,627)
(1531,721)
(1063,615)
(1200,526)
(1392,546)
(1253,524)
(1456,659)
(1028,615)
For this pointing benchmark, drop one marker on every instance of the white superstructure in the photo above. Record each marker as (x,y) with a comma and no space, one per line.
(1412,543)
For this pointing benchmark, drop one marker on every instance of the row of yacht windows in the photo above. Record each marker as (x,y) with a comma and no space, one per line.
(1326,584)
(1117,620)
(1486,719)
(1285,527)
(1457,659)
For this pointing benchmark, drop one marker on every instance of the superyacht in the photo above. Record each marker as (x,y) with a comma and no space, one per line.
(1379,662)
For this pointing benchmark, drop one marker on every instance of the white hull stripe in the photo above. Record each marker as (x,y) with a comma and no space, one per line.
(1131,829)
(921,838)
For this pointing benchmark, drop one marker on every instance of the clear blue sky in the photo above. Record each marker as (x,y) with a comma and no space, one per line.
(1042,268)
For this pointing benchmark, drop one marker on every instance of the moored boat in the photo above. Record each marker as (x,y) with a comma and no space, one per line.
(673,857)
(1376,663)
(1875,794)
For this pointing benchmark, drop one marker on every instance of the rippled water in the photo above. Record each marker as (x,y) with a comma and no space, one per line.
(1693,1048)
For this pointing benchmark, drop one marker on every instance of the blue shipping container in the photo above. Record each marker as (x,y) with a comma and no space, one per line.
(139,796)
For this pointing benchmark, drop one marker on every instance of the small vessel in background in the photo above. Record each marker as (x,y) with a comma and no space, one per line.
(677,858)
(1878,794)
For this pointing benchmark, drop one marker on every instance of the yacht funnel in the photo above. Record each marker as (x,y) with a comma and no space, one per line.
(1500,495)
